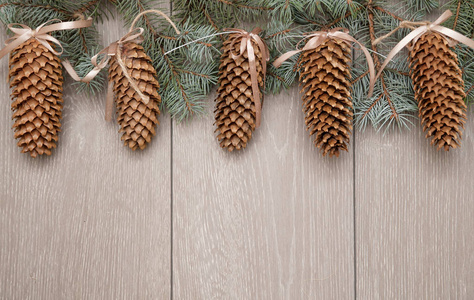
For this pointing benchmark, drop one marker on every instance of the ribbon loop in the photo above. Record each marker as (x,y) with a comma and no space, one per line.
(41,33)
(425,27)
(246,45)
(134,35)
(114,49)
(317,38)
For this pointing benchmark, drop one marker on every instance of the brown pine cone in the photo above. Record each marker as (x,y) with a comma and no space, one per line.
(439,90)
(37,83)
(325,76)
(137,120)
(235,106)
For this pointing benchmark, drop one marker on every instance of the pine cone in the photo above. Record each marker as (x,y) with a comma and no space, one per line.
(235,107)
(325,76)
(137,119)
(439,90)
(36,80)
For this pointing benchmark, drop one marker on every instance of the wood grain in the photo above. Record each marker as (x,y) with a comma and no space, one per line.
(415,237)
(275,221)
(93,220)
(414,206)
(271,222)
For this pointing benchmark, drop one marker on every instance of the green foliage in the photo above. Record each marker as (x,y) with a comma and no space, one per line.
(187,63)
(79,44)
(188,73)
(280,38)
(185,74)
(463,16)
(466,62)
(83,66)
(422,6)
(463,22)
(276,17)
(220,13)
(392,102)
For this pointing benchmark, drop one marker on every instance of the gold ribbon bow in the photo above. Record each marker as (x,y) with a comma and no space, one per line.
(418,32)
(134,35)
(319,37)
(246,44)
(25,33)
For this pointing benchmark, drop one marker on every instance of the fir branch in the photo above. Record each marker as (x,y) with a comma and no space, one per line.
(45,7)
(175,77)
(86,7)
(77,43)
(279,33)
(421,6)
(392,103)
(211,21)
(348,14)
(469,90)
(388,13)
(466,62)
(220,13)
(393,100)
(378,64)
(359,77)
(187,73)
(245,6)
(463,22)
(463,18)
(456,15)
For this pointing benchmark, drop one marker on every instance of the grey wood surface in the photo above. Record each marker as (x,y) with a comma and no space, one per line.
(272,222)
(390,219)
(415,237)
(93,220)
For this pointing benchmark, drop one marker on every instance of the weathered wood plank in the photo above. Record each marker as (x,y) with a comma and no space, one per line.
(93,220)
(415,237)
(272,222)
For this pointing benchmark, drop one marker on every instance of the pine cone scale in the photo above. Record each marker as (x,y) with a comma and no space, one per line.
(326,89)
(36,81)
(137,120)
(235,114)
(439,90)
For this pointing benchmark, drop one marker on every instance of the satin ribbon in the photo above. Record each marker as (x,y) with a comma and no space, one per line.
(246,45)
(418,32)
(136,36)
(317,38)
(25,33)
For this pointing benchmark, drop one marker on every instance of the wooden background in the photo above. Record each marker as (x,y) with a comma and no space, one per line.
(390,219)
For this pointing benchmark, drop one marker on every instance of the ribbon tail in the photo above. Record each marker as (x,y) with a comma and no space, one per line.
(256,30)
(67,25)
(11,46)
(255,89)
(264,50)
(454,35)
(44,41)
(109,104)
(314,41)
(245,42)
(404,42)
(444,17)
(86,79)
(277,63)
(70,70)
(370,63)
